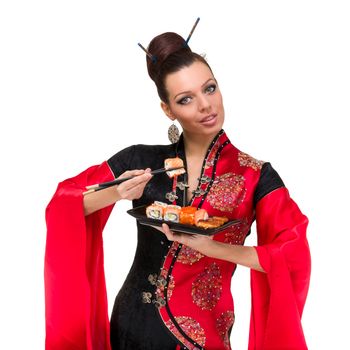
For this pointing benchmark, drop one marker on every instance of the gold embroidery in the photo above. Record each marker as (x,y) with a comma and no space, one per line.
(191,327)
(237,233)
(187,255)
(227,192)
(207,287)
(223,325)
(245,159)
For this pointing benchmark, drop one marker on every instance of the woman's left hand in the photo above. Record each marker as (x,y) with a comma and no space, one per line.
(206,245)
(201,243)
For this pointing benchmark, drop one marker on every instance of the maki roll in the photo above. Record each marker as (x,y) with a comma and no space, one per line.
(172,213)
(155,211)
(174,163)
(163,205)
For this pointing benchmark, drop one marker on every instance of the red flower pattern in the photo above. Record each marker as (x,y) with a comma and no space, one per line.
(227,192)
(237,233)
(207,287)
(187,255)
(191,327)
(223,324)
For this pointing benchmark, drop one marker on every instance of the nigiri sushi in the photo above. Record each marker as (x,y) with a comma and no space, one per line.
(222,219)
(212,222)
(200,214)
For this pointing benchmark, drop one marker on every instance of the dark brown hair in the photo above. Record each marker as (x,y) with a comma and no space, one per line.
(170,54)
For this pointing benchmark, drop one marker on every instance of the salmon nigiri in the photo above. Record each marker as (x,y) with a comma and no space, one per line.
(200,214)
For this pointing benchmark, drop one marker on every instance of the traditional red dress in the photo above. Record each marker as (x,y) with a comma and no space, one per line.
(175,297)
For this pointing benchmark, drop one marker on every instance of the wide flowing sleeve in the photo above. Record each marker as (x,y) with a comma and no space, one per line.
(279,295)
(76,309)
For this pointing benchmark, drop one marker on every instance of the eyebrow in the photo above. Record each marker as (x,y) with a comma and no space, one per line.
(187,92)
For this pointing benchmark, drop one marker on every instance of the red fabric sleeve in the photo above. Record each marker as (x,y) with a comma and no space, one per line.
(75,292)
(279,295)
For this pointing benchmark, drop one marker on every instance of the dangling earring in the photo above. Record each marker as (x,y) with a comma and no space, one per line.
(173,133)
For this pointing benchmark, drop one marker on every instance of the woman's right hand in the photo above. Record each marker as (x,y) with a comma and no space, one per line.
(133,188)
(130,189)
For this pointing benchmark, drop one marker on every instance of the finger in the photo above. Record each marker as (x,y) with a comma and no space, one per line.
(172,236)
(134,172)
(134,188)
(137,180)
(158,228)
(128,173)
(166,228)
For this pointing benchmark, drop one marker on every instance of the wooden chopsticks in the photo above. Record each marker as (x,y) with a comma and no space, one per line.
(103,185)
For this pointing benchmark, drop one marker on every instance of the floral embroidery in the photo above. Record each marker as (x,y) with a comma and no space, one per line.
(223,325)
(161,285)
(207,287)
(187,255)
(245,159)
(191,327)
(210,160)
(227,192)
(237,233)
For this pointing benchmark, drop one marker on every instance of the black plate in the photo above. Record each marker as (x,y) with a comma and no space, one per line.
(140,214)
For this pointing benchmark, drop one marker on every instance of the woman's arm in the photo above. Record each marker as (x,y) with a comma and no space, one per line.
(242,255)
(131,189)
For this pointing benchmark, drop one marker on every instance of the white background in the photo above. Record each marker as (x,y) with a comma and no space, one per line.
(74,90)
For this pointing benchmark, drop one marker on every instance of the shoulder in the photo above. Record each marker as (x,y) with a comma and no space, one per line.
(269,181)
(266,178)
(245,160)
(155,150)
(248,161)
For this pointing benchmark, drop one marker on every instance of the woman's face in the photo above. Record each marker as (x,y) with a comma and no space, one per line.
(195,100)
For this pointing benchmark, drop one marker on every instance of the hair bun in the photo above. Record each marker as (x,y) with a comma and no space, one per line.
(161,47)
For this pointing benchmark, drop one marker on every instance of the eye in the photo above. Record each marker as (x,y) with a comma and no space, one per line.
(211,88)
(184,100)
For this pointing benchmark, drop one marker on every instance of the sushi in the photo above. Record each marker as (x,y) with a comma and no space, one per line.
(200,214)
(172,213)
(187,215)
(155,211)
(162,204)
(212,222)
(174,163)
(221,219)
(184,215)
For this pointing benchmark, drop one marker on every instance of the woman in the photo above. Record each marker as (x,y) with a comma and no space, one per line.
(177,293)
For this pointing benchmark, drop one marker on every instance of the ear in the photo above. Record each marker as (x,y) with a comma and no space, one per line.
(166,109)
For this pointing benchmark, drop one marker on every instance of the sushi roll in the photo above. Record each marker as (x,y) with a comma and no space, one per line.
(172,213)
(187,215)
(162,204)
(200,214)
(174,163)
(155,211)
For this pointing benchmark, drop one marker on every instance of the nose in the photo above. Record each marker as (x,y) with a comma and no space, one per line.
(203,103)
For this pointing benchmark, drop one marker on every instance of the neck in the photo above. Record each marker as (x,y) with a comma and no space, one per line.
(197,145)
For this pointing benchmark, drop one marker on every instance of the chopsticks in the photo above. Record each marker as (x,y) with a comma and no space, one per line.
(103,185)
